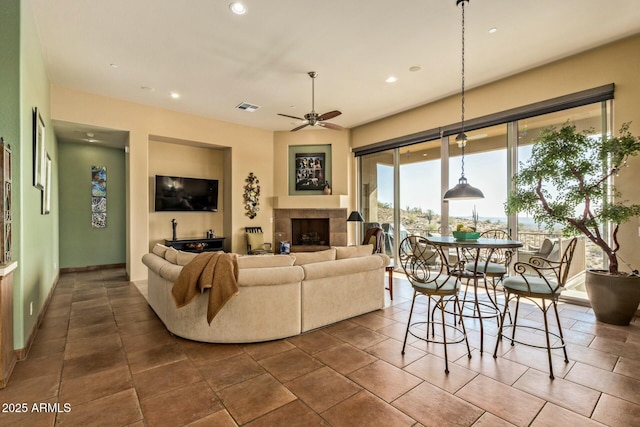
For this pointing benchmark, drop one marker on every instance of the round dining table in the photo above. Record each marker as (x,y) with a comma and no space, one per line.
(473,250)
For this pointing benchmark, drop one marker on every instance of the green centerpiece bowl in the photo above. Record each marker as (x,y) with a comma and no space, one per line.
(466,235)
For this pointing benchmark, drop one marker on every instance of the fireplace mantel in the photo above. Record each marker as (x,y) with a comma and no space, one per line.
(337,201)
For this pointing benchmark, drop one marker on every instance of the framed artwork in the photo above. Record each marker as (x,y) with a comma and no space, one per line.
(98,196)
(98,181)
(46,191)
(309,169)
(99,220)
(39,152)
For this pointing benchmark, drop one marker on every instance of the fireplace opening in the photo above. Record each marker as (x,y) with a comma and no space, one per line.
(310,231)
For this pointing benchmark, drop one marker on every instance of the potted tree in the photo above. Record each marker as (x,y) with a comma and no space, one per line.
(567,181)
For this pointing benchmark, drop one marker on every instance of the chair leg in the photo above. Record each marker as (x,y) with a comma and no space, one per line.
(430,318)
(406,334)
(493,300)
(464,297)
(500,329)
(546,330)
(564,345)
(444,334)
(515,319)
(464,330)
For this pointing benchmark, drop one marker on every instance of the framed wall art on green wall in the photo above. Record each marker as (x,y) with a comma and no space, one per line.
(309,169)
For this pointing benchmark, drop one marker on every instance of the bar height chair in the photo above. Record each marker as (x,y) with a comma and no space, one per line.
(493,265)
(430,278)
(540,281)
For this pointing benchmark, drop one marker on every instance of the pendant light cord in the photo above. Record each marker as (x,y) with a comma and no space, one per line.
(462,117)
(463,140)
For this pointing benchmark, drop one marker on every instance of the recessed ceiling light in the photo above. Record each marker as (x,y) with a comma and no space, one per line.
(147,88)
(415,68)
(391,79)
(113,65)
(175,95)
(492,30)
(238,8)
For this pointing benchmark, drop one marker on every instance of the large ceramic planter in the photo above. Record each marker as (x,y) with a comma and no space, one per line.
(614,298)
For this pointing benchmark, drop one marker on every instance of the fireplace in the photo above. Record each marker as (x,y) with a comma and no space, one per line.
(309,230)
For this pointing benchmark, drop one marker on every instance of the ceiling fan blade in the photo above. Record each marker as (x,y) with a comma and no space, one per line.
(299,127)
(329,115)
(291,117)
(330,126)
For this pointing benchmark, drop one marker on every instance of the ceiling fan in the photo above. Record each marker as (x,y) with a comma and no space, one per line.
(313,118)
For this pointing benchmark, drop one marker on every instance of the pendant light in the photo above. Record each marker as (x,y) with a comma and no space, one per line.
(463,190)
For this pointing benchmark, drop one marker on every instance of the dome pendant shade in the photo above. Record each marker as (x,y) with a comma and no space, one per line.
(463,191)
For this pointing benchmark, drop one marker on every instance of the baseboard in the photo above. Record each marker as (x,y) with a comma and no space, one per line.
(91,268)
(23,352)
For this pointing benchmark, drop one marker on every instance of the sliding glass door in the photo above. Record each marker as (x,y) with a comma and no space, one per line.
(420,199)
(377,195)
(550,243)
(401,188)
(485,167)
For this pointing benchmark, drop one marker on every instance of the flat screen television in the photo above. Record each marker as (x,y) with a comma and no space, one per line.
(186,194)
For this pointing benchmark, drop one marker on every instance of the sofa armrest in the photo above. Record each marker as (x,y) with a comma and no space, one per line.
(154,262)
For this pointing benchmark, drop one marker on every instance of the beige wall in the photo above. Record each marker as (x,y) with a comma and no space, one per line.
(251,150)
(265,153)
(617,63)
(174,159)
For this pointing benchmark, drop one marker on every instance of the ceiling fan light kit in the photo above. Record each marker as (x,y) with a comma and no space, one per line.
(463,190)
(313,118)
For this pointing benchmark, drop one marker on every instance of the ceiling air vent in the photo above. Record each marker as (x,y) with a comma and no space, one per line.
(247,107)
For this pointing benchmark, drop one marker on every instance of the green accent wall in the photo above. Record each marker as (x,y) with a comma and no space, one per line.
(308,149)
(80,244)
(24,85)
(10,71)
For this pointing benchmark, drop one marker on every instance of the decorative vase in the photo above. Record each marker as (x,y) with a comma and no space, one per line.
(614,298)
(327,188)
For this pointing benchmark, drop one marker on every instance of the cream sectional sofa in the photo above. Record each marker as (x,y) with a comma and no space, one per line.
(279,295)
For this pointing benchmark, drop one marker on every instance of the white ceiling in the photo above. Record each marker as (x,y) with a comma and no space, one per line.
(216,60)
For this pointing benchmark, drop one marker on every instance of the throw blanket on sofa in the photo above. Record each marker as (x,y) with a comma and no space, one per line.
(217,271)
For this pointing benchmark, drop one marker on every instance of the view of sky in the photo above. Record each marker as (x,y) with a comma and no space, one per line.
(420,184)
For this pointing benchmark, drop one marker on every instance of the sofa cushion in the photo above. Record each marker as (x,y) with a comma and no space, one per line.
(258,261)
(171,255)
(341,267)
(311,257)
(270,276)
(184,258)
(159,249)
(358,251)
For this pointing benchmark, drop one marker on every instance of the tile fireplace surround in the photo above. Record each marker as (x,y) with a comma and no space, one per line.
(283,227)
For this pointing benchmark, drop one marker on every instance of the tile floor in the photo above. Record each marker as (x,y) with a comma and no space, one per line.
(102,351)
